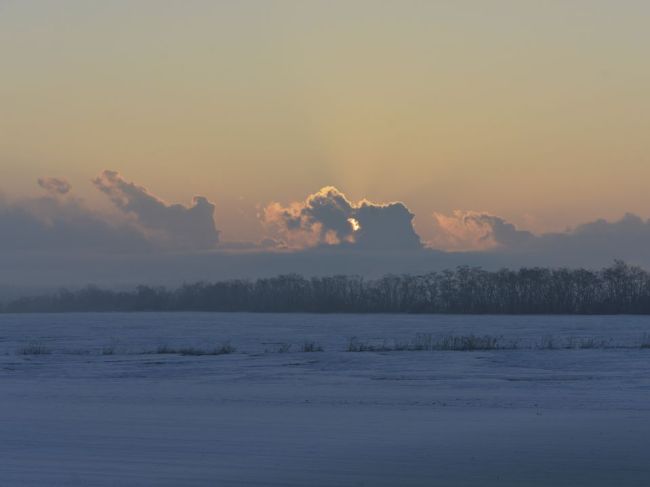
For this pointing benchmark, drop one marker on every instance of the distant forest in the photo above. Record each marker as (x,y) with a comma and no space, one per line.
(617,289)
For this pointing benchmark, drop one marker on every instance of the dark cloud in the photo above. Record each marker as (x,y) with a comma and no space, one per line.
(386,226)
(54,185)
(329,211)
(627,238)
(327,217)
(52,224)
(177,225)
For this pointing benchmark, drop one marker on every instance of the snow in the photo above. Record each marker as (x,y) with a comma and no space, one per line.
(525,417)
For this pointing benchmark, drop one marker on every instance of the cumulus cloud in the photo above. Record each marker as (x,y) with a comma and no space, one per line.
(472,230)
(323,218)
(329,218)
(54,185)
(190,227)
(592,243)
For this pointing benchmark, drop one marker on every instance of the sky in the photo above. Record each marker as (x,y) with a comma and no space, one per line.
(357,125)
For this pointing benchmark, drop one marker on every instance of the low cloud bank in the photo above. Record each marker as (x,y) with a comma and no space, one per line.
(54,224)
(58,238)
(61,222)
(592,243)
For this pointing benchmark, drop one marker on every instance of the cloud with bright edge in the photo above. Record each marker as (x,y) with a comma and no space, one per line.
(329,218)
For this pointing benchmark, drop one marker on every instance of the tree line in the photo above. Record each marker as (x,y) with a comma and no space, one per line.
(616,289)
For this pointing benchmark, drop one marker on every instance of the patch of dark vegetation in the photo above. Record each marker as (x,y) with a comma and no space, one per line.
(427,342)
(420,342)
(300,364)
(311,347)
(645,341)
(548,342)
(34,348)
(284,348)
(469,343)
(165,349)
(110,349)
(357,345)
(588,343)
(77,351)
(223,349)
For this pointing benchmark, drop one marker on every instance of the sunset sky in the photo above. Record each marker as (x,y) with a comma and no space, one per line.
(534,115)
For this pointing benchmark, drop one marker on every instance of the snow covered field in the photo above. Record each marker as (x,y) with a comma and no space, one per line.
(90,399)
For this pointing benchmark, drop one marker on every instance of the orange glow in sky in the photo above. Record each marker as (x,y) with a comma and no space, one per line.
(534,111)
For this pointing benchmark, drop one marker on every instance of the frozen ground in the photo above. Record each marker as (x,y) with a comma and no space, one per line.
(98,408)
